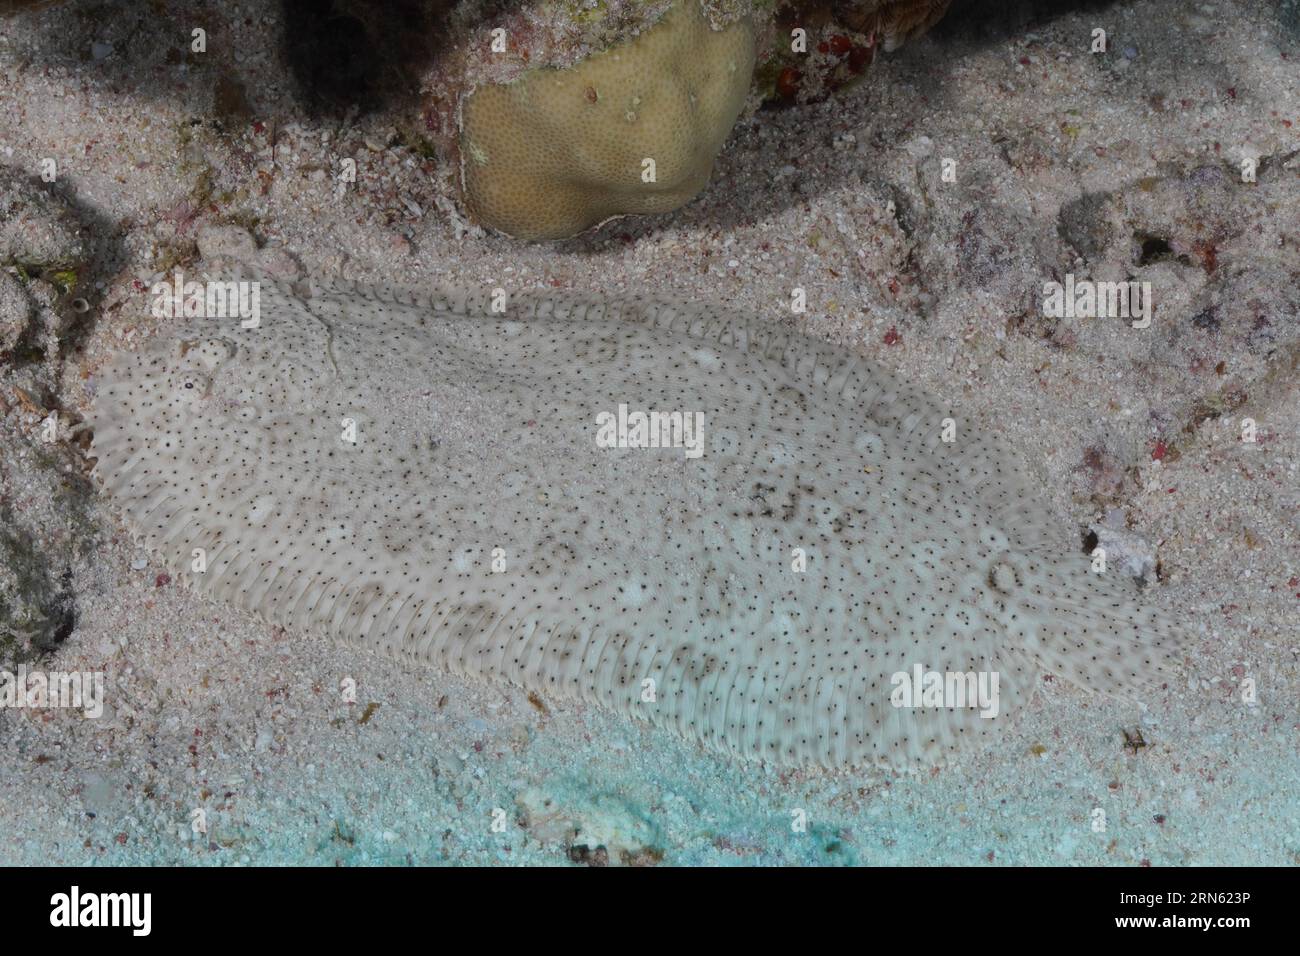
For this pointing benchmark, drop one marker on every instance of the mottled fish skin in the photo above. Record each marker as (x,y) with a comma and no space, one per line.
(475,525)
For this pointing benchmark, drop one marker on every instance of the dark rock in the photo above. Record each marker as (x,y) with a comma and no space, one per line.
(1290,14)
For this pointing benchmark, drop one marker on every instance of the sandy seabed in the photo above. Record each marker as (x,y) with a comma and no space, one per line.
(1124,165)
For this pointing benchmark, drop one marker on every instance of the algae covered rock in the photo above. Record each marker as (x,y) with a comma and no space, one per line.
(42,248)
(42,541)
(15,311)
(37,229)
(37,607)
(634,129)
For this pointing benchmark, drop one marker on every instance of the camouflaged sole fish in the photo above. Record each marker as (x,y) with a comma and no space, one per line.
(417,474)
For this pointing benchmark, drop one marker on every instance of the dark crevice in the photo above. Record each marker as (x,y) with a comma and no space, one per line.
(998,20)
(361,55)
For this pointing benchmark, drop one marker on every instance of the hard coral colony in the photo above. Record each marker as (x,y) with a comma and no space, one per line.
(634,129)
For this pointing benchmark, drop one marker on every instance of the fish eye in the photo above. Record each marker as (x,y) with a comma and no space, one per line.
(189,384)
